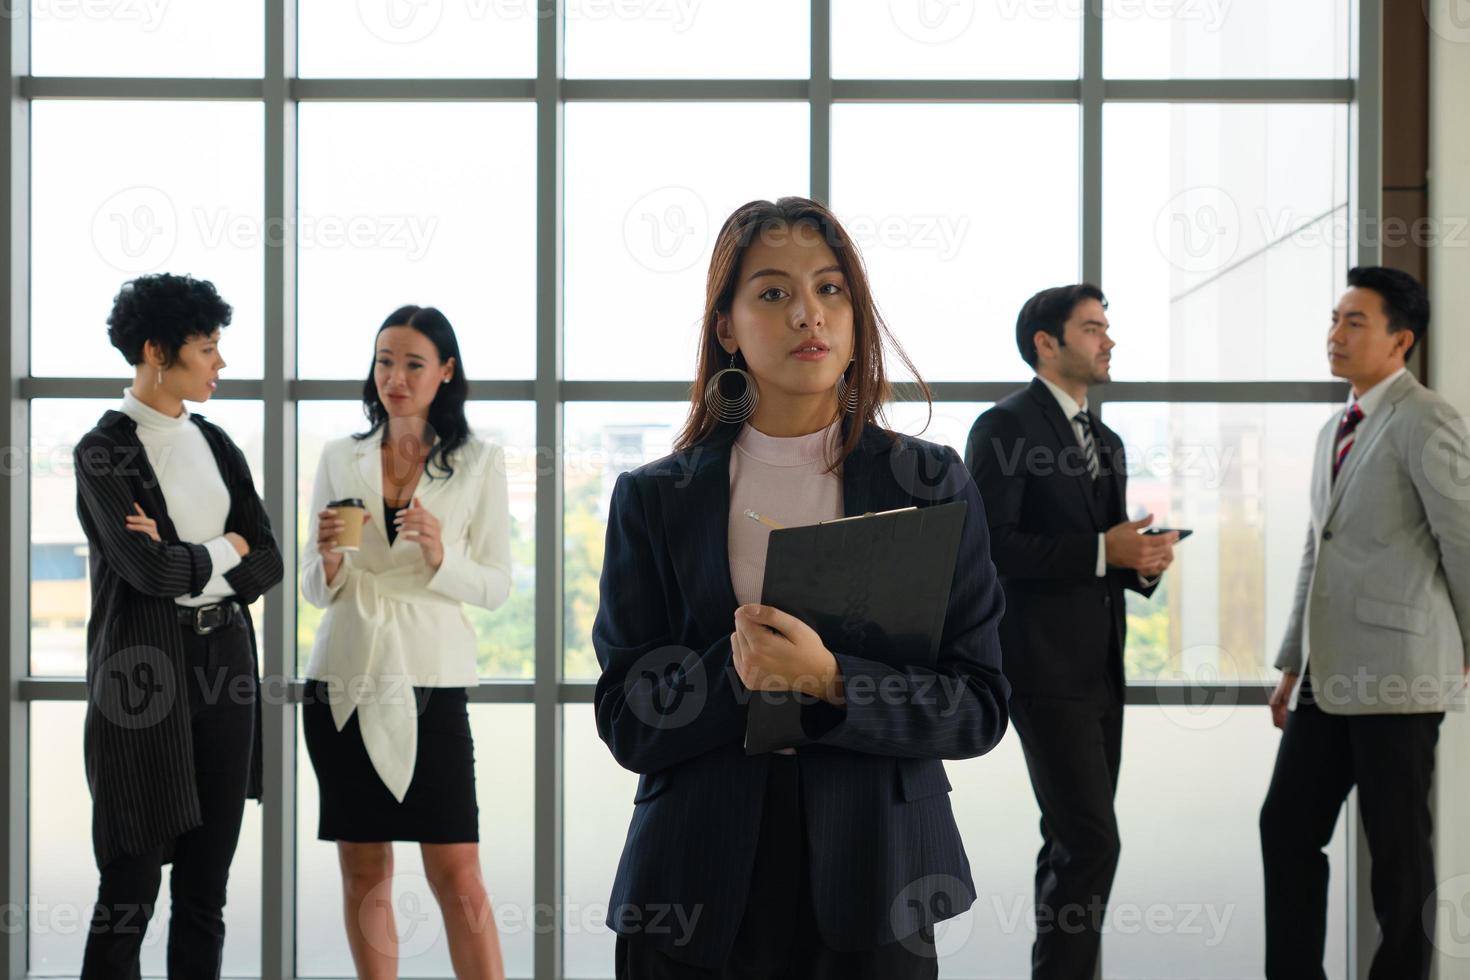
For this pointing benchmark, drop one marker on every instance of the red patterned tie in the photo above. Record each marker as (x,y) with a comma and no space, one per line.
(1345,430)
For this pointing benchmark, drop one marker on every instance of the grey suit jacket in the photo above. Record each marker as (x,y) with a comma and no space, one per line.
(1382,608)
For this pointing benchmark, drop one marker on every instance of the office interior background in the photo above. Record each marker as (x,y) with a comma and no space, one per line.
(551,175)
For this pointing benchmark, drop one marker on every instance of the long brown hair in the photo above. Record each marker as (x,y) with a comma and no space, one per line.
(870,334)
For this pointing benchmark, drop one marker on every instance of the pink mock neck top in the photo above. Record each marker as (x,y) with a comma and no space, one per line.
(781,478)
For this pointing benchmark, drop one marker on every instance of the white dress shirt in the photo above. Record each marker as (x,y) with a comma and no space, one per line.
(193,489)
(1070,408)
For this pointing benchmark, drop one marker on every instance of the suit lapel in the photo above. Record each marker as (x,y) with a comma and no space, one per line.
(1066,438)
(1369,431)
(369,466)
(695,503)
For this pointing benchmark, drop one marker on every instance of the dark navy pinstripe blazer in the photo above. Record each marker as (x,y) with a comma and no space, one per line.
(137,744)
(885,854)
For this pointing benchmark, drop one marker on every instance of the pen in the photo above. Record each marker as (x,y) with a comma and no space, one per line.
(764,520)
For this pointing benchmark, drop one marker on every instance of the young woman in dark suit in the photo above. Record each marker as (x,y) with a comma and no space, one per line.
(834,857)
(179,546)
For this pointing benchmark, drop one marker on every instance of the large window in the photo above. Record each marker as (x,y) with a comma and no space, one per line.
(552,176)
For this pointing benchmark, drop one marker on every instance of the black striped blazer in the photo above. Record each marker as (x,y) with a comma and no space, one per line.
(137,743)
(885,853)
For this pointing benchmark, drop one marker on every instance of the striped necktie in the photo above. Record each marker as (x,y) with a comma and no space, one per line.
(1088,446)
(1345,430)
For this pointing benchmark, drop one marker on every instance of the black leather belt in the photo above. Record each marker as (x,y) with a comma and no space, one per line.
(207,619)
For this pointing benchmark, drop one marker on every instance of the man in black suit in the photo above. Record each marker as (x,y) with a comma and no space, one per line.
(1054,484)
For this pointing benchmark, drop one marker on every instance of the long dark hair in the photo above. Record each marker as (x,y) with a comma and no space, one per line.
(869,333)
(447,420)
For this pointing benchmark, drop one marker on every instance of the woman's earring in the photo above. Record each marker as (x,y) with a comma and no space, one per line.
(847,395)
(160,379)
(731,409)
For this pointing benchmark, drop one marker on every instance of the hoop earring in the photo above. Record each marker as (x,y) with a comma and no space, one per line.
(847,395)
(731,409)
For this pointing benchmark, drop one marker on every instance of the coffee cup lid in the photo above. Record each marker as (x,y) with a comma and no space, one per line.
(347,502)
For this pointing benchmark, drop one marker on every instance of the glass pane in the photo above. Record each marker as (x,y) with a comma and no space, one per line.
(956,39)
(181,192)
(598,803)
(1225,238)
(1226,39)
(504,777)
(417,39)
(1187,898)
(948,284)
(507,634)
(603,439)
(949,425)
(645,198)
(688,39)
(1237,475)
(160,38)
(450,224)
(61,597)
(63,873)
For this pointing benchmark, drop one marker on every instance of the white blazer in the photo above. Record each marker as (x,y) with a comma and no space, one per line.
(392,623)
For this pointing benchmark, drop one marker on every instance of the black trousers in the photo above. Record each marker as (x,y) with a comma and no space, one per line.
(778,937)
(1390,758)
(1073,750)
(223,728)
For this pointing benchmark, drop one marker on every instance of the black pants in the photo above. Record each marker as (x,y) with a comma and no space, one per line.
(1073,750)
(778,937)
(1390,758)
(223,728)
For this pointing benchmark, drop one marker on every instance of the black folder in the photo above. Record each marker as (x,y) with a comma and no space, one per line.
(874,586)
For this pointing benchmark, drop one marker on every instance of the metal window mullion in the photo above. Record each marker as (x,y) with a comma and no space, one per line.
(1090,143)
(549,763)
(15,499)
(278,837)
(819,96)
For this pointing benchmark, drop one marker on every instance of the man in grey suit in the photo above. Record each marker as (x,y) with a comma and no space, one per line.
(1376,645)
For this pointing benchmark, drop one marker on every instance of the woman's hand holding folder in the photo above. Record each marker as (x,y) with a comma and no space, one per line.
(775,651)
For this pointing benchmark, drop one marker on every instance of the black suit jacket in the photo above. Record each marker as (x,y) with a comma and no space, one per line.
(885,854)
(138,748)
(1064,628)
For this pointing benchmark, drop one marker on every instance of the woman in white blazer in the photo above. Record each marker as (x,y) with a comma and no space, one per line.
(385,713)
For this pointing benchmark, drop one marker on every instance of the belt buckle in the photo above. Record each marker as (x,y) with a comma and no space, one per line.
(216,612)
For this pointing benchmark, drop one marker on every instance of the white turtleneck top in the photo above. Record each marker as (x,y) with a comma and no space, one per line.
(193,489)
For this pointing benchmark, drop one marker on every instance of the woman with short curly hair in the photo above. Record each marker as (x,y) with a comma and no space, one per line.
(179,546)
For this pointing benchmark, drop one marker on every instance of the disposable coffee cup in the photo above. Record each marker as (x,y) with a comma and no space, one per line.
(352,513)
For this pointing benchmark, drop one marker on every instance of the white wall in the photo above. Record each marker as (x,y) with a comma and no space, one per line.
(1449,371)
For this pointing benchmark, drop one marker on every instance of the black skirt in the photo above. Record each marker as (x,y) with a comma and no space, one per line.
(439,807)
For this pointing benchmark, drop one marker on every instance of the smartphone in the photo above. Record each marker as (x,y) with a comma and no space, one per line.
(1182,532)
